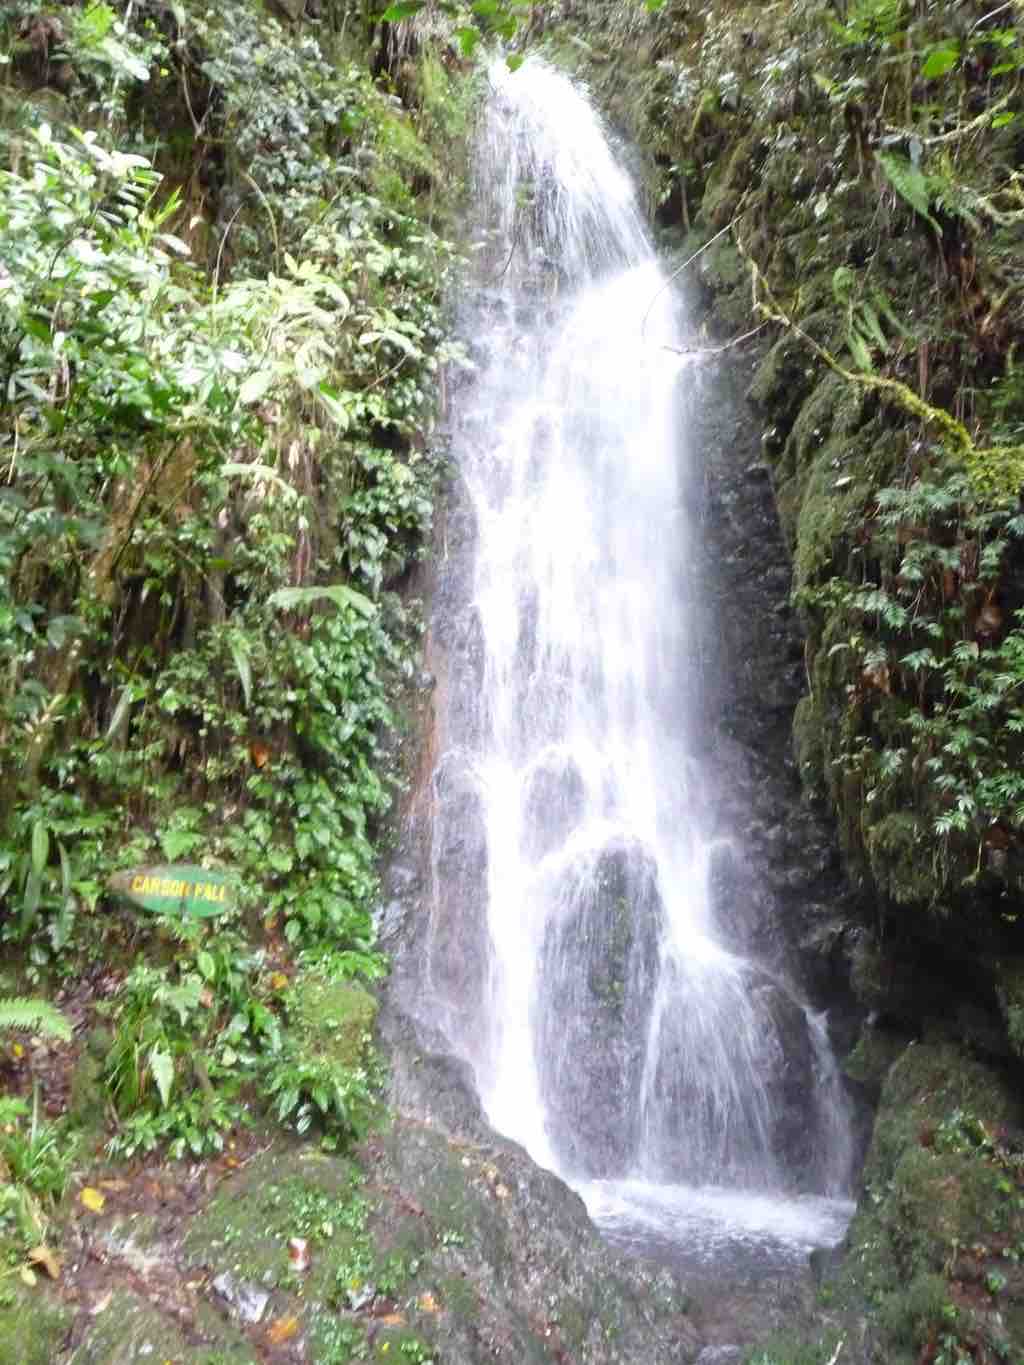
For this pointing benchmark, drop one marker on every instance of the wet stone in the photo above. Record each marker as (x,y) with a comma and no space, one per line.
(247,1301)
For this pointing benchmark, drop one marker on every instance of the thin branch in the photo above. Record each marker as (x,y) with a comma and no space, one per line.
(676,273)
(939,139)
(270,214)
(716,350)
(991,15)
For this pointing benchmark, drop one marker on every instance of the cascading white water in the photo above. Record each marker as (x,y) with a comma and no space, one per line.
(612,1033)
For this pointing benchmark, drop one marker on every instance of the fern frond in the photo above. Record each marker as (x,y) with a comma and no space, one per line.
(26,1014)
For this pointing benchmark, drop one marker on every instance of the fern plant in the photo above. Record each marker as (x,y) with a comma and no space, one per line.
(25,1014)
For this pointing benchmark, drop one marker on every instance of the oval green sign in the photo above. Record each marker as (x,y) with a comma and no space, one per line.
(176,889)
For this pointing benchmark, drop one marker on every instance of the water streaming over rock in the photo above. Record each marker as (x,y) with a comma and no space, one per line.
(610,1029)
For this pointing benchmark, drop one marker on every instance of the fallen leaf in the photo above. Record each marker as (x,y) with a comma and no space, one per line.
(259,753)
(298,1253)
(283,1329)
(27,1276)
(92,1199)
(101,1304)
(42,1255)
(393,1320)
(427,1303)
(278,981)
(114,1184)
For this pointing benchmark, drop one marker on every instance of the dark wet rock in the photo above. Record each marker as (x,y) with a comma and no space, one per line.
(542,1277)
(452,936)
(455,1239)
(596,986)
(552,806)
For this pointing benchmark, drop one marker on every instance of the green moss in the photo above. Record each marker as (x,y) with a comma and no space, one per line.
(875,1051)
(910,1316)
(893,847)
(726,186)
(939,1201)
(33,1323)
(1009,976)
(928,1082)
(131,1329)
(808,744)
(306,1193)
(332,1019)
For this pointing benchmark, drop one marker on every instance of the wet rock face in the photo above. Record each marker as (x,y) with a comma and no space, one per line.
(551,807)
(790,1081)
(456,939)
(524,1274)
(777,887)
(593,1019)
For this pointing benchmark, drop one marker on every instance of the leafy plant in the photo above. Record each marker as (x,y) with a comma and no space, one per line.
(306,1089)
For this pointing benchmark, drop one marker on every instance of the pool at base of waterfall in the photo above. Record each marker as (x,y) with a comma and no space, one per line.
(707,1233)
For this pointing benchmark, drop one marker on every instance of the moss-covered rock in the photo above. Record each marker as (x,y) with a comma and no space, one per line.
(33,1324)
(332,1019)
(467,1248)
(940,1178)
(132,1329)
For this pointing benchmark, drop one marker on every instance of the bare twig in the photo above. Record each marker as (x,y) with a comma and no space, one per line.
(939,139)
(716,350)
(677,272)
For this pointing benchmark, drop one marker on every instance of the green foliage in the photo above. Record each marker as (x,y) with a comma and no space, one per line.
(928,640)
(306,1089)
(215,474)
(872,23)
(38,1155)
(909,183)
(178,1055)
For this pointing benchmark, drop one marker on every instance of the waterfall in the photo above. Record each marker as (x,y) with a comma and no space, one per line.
(573,957)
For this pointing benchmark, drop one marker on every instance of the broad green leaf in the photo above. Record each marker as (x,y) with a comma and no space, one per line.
(909,183)
(40,847)
(124,61)
(65,872)
(941,59)
(121,710)
(161,1064)
(255,386)
(240,655)
(872,327)
(339,593)
(468,39)
(859,351)
(95,23)
(174,243)
(206,964)
(404,9)
(331,401)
